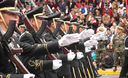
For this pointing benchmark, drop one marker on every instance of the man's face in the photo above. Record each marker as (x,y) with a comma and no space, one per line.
(21,29)
(10,16)
(119,31)
(39,22)
(7,17)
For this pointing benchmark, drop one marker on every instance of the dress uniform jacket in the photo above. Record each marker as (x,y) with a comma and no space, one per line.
(118,40)
(7,68)
(125,65)
(31,56)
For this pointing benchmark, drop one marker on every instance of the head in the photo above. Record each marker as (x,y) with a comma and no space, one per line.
(114,24)
(36,22)
(102,25)
(121,6)
(120,29)
(99,19)
(34,19)
(125,11)
(91,5)
(8,12)
(82,6)
(115,10)
(21,28)
(66,7)
(97,7)
(92,18)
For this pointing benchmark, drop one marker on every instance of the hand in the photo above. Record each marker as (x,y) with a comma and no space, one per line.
(86,34)
(29,76)
(57,64)
(90,43)
(68,39)
(79,55)
(71,56)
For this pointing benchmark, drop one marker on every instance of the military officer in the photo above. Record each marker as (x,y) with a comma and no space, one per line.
(100,51)
(125,65)
(8,12)
(118,44)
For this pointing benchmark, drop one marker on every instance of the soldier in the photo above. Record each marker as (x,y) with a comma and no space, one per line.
(65,57)
(8,12)
(125,65)
(100,51)
(118,44)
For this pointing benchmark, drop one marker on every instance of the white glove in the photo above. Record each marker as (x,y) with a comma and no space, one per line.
(56,64)
(83,34)
(29,76)
(71,56)
(90,32)
(86,34)
(79,55)
(90,43)
(68,39)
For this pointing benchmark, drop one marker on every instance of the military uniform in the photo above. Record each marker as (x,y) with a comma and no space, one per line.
(125,65)
(7,67)
(118,42)
(100,52)
(32,54)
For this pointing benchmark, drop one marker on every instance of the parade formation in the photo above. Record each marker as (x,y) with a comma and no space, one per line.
(62,38)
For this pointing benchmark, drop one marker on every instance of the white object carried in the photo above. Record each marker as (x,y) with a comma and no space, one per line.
(29,76)
(79,55)
(71,56)
(57,64)
(68,39)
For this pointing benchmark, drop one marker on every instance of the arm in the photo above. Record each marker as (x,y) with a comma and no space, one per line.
(51,47)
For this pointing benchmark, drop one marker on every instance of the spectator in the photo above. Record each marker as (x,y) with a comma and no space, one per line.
(114,27)
(58,9)
(84,10)
(71,4)
(118,43)
(98,15)
(106,18)
(101,27)
(107,9)
(66,10)
(86,4)
(91,8)
(72,15)
(98,9)
(99,21)
(111,21)
(88,17)
(123,2)
(121,10)
(125,13)
(92,24)
(76,10)
(115,14)
(54,4)
(108,3)
(101,4)
(62,5)
(79,3)
(115,4)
